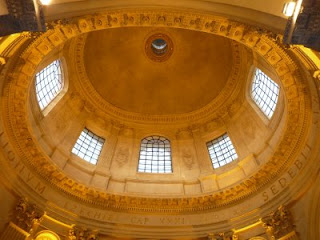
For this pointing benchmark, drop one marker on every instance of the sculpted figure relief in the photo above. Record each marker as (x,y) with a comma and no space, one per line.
(26,215)
(187,158)
(122,156)
(82,234)
(278,223)
(222,236)
(72,234)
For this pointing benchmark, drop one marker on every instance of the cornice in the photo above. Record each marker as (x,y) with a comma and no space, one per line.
(18,128)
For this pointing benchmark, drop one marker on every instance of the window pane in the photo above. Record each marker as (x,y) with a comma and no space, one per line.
(154,149)
(221,151)
(48,83)
(265,93)
(87,146)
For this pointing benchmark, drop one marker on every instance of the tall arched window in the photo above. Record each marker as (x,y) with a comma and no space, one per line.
(155,155)
(265,93)
(221,151)
(49,83)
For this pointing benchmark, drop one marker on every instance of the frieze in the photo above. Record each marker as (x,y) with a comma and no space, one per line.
(28,150)
(188,205)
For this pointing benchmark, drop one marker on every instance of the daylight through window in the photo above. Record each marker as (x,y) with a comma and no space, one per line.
(221,151)
(155,155)
(49,83)
(88,146)
(265,93)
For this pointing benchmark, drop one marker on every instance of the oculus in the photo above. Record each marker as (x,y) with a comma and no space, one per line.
(159,47)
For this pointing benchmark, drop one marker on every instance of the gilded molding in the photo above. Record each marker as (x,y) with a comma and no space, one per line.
(26,215)
(28,150)
(279,223)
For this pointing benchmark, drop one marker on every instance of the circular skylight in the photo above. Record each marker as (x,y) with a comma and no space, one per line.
(159,46)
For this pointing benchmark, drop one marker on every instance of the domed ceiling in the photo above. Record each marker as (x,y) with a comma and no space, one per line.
(121,72)
(201,68)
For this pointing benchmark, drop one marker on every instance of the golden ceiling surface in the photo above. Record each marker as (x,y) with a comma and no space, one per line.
(200,92)
(120,71)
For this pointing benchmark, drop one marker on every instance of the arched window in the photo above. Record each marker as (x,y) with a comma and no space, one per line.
(155,155)
(221,151)
(88,146)
(265,93)
(49,83)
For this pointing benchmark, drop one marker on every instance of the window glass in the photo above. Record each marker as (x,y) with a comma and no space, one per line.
(88,146)
(155,155)
(221,151)
(265,93)
(49,83)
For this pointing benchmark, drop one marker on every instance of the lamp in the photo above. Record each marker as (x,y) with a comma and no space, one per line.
(289,8)
(45,2)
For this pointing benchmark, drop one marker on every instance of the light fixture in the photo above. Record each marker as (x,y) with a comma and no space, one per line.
(289,8)
(45,2)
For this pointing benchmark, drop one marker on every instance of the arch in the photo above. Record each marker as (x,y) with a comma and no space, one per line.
(155,155)
(47,235)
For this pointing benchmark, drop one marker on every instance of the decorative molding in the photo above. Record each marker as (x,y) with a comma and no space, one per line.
(122,155)
(26,215)
(2,61)
(187,158)
(222,236)
(77,233)
(26,148)
(279,224)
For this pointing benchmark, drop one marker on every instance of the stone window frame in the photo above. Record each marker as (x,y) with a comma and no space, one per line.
(280,108)
(64,73)
(269,105)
